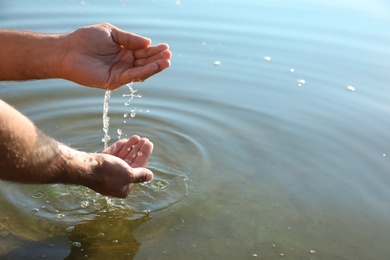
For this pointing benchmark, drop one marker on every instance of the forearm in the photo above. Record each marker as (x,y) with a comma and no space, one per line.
(29,156)
(28,55)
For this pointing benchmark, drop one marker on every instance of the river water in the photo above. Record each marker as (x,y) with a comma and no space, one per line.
(270,131)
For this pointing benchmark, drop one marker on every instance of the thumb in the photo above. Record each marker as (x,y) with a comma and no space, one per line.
(141,175)
(129,40)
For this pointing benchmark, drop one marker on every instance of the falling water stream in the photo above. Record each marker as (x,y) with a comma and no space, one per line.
(106,119)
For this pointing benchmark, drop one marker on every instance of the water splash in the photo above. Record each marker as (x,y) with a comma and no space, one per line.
(133,94)
(119,132)
(106,119)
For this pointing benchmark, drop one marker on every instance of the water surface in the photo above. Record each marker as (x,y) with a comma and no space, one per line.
(261,150)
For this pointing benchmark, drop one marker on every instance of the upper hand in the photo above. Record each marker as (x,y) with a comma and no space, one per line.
(104,56)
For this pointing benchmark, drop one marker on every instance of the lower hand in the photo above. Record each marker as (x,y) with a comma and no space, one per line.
(121,166)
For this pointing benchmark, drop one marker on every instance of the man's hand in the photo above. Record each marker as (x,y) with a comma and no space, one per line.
(135,151)
(33,157)
(104,56)
(121,166)
(100,56)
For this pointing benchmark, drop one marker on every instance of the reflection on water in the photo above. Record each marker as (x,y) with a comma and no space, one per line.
(262,149)
(91,239)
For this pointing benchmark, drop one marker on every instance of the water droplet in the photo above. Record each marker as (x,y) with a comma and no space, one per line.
(147,110)
(312,251)
(106,139)
(267,58)
(217,63)
(76,244)
(139,153)
(292,70)
(254,255)
(351,88)
(84,204)
(128,149)
(35,210)
(59,216)
(115,241)
(128,161)
(301,82)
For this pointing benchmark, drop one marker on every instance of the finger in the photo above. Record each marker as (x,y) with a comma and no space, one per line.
(140,73)
(143,154)
(127,146)
(135,151)
(115,148)
(164,55)
(151,51)
(129,40)
(141,175)
(163,64)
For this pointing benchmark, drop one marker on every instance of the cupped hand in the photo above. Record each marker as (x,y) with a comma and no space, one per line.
(135,151)
(104,56)
(121,166)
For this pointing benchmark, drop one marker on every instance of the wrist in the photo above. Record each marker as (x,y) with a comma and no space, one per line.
(47,54)
(76,167)
(28,55)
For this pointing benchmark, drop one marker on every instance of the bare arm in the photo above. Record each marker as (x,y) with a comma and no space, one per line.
(29,156)
(26,55)
(101,56)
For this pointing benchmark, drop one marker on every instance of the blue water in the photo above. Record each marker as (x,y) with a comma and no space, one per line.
(248,163)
